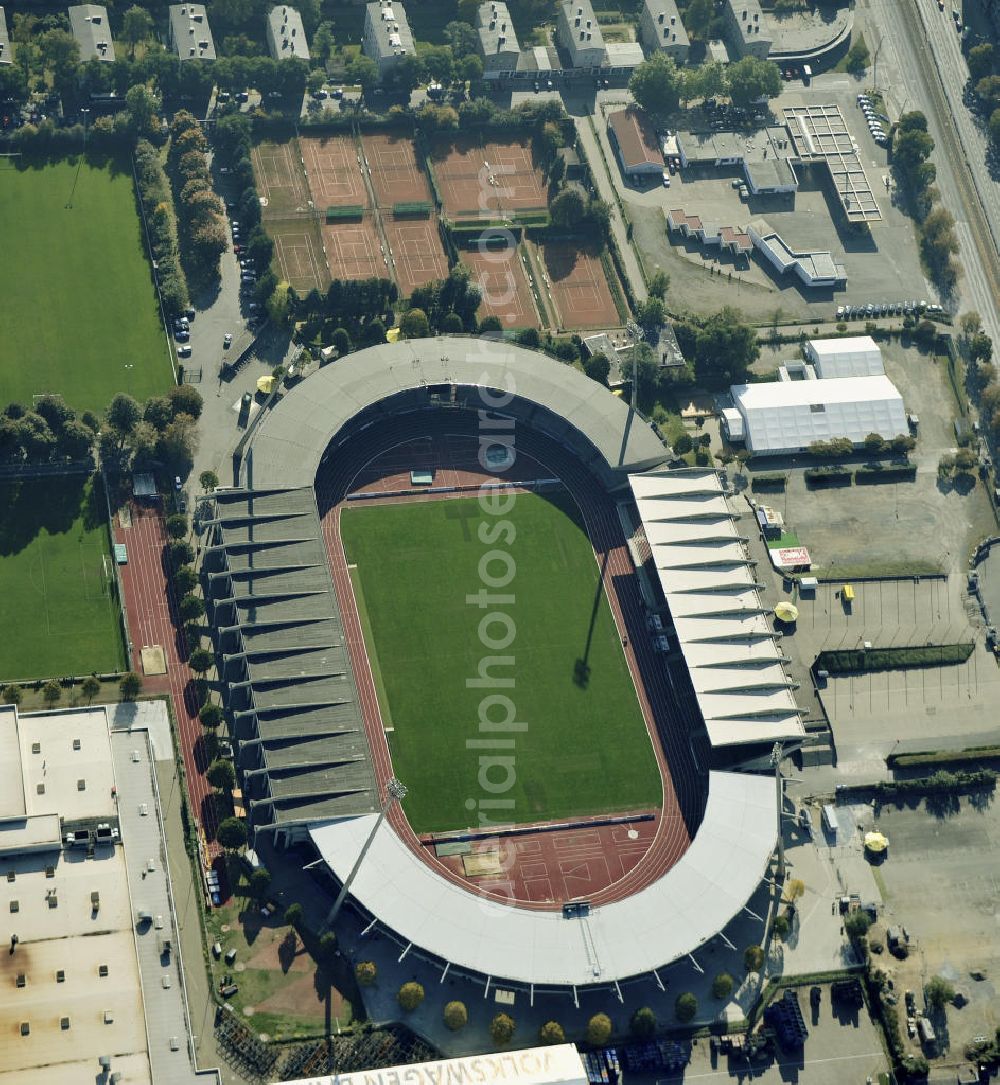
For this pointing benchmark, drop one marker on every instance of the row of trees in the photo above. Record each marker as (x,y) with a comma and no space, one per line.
(983,61)
(445,305)
(352,313)
(162,431)
(154,193)
(660,86)
(199,210)
(49,432)
(912,146)
(874,444)
(571,211)
(129,687)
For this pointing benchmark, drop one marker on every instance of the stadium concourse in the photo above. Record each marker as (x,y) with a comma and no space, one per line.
(312,746)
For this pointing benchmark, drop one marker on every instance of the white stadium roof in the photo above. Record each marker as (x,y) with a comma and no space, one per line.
(855,356)
(786,416)
(711,589)
(668,919)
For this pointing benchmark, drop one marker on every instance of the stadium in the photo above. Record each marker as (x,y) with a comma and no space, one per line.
(462,563)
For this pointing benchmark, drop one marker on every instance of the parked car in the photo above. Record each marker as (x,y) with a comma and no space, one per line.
(227,341)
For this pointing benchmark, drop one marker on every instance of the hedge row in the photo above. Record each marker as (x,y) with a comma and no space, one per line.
(154,194)
(865,475)
(869,660)
(775,481)
(975,755)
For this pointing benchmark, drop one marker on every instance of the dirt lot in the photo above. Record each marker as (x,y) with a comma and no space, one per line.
(941,882)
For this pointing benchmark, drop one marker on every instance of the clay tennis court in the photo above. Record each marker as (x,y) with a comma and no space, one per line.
(395,173)
(472,189)
(579,287)
(300,255)
(353,250)
(417,250)
(280,178)
(334,173)
(504,285)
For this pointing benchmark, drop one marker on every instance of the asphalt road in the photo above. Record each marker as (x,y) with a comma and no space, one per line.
(908,74)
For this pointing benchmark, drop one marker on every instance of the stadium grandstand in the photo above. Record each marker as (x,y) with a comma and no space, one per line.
(311,746)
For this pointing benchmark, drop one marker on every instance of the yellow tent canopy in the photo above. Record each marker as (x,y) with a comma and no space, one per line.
(786,612)
(392,335)
(265,385)
(876,842)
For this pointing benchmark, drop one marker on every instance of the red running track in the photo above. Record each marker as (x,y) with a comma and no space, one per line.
(151,608)
(683,790)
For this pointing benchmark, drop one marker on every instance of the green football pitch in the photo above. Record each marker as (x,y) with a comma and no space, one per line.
(57,607)
(583,747)
(77,288)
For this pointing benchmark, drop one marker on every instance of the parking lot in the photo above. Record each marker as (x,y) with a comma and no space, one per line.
(882,266)
(842,1047)
(941,882)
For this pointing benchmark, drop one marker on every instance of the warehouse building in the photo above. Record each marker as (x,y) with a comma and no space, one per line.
(858,356)
(634,140)
(286,37)
(579,33)
(661,30)
(497,39)
(89,23)
(815,268)
(387,35)
(789,415)
(190,34)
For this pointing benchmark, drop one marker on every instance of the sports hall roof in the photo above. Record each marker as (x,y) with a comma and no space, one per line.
(303,747)
(723,626)
(289,444)
(668,919)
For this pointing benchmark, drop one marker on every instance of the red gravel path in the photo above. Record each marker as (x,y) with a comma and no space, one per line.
(151,607)
(624,872)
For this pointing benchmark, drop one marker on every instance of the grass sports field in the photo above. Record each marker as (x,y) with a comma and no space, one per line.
(55,603)
(76,287)
(584,749)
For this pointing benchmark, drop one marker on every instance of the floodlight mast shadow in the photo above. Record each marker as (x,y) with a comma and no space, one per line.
(394,792)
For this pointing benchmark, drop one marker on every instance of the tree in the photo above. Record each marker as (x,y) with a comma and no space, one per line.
(328,945)
(643,1023)
(567,210)
(462,38)
(857,923)
(278,305)
(406,74)
(725,348)
(470,68)
(191,607)
(939,992)
(794,888)
(683,444)
(260,881)
(655,84)
(201,660)
(61,54)
(980,347)
(365,973)
(502,1028)
(599,1029)
(179,552)
(722,985)
(143,106)
(12,694)
(415,325)
(875,446)
(970,322)
(185,399)
(293,914)
(130,686)
(994,125)
(751,79)
(980,60)
(341,341)
(232,834)
(782,926)
(177,525)
(185,579)
(456,1016)
(178,444)
(221,774)
(410,995)
(208,480)
(698,18)
(123,414)
(753,958)
(685,1007)
(51,692)
(925,334)
(90,688)
(137,25)
(650,313)
(659,284)
(210,714)
(858,57)
(597,367)
(551,1033)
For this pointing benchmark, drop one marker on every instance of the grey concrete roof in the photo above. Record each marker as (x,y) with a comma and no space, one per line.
(391,29)
(674,916)
(286,35)
(289,445)
(663,15)
(291,686)
(496,28)
(6,56)
(89,23)
(190,34)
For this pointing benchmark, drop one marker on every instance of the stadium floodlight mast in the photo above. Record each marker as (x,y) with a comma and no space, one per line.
(394,792)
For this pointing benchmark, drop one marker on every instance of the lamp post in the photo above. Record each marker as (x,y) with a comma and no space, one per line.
(394,792)
(776,755)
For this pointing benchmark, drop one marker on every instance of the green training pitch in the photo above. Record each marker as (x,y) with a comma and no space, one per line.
(584,748)
(77,288)
(57,607)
